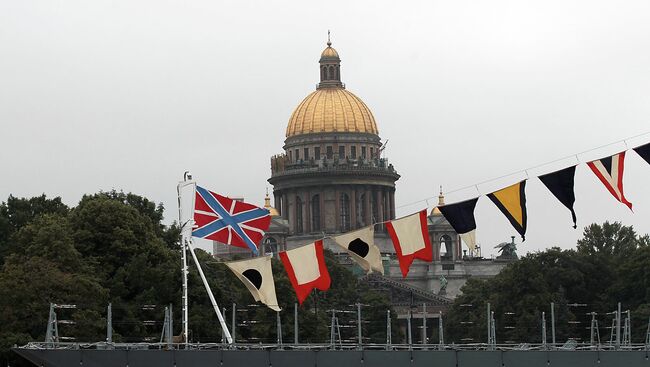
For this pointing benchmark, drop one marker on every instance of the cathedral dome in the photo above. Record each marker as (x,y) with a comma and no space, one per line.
(331,110)
(329,52)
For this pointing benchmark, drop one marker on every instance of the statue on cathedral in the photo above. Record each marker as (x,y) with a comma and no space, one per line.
(443,285)
(508,250)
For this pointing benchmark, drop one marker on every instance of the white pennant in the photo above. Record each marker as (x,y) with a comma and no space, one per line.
(257,276)
(470,239)
(362,249)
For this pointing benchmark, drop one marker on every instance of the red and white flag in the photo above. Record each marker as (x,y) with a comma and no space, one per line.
(411,239)
(610,172)
(306,269)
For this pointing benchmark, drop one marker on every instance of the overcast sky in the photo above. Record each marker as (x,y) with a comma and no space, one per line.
(127,95)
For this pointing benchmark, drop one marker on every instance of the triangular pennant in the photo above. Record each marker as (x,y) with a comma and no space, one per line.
(461,217)
(512,203)
(410,236)
(470,239)
(306,269)
(644,152)
(560,184)
(229,221)
(610,172)
(257,276)
(362,249)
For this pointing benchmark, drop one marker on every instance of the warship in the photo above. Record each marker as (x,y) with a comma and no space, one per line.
(177,351)
(325,355)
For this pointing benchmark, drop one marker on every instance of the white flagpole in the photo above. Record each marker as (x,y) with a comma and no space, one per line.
(209,290)
(186,232)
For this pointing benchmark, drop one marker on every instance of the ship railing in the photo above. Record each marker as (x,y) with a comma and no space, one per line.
(328,346)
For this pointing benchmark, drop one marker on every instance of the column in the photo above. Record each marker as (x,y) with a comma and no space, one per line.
(337,211)
(366,204)
(386,201)
(285,206)
(321,214)
(353,208)
(391,194)
(307,213)
(436,247)
(380,207)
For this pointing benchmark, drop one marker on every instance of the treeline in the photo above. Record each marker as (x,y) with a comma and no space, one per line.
(610,264)
(113,247)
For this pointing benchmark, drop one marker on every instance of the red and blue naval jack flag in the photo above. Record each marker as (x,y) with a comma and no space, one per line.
(229,221)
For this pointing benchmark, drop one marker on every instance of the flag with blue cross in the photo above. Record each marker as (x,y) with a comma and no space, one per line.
(229,221)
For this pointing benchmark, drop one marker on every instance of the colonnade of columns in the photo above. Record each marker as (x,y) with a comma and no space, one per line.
(335,209)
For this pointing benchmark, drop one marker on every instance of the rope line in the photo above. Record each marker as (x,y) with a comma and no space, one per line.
(576,155)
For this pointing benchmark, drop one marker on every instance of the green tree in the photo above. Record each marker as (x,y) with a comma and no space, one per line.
(120,236)
(17,212)
(46,268)
(611,240)
(609,266)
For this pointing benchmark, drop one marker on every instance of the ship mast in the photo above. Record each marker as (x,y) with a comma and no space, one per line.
(186,245)
(186,233)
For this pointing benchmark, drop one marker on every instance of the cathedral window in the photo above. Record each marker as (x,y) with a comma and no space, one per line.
(297,155)
(317,153)
(372,152)
(306,154)
(445,247)
(345,212)
(315,213)
(330,152)
(353,152)
(290,156)
(341,151)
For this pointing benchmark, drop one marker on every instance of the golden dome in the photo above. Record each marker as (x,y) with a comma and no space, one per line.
(329,52)
(441,202)
(331,110)
(267,205)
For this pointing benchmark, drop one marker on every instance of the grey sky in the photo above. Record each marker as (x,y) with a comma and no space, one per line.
(96,95)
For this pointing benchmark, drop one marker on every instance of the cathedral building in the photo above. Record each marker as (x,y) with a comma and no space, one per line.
(332,178)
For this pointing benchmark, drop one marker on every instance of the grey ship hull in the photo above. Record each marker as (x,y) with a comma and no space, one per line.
(331,358)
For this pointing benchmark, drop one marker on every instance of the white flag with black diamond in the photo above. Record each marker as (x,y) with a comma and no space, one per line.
(257,276)
(361,247)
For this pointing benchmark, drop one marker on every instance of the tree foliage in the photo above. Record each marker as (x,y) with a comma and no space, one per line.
(608,266)
(114,248)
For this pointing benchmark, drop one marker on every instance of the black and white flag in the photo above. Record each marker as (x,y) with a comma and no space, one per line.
(257,276)
(361,247)
(644,152)
(461,217)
